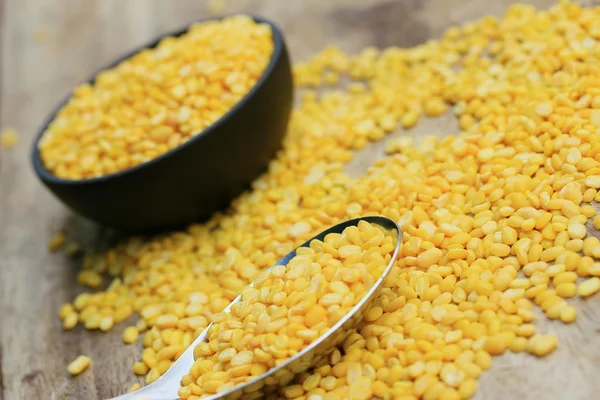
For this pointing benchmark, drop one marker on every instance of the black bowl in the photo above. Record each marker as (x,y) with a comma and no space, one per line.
(203,175)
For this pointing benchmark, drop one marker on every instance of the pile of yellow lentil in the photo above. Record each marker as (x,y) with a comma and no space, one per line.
(156,100)
(494,218)
(287,308)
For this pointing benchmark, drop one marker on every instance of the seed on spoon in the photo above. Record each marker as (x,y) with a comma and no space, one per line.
(287,308)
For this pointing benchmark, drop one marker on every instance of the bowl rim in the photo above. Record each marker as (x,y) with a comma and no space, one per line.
(45,175)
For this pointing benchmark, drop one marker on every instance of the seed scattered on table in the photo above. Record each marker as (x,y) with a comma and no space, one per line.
(492,217)
(57,240)
(589,287)
(541,345)
(79,365)
(70,321)
(133,387)
(9,138)
(130,335)
(65,310)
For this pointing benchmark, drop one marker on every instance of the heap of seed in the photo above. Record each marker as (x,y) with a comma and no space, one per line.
(287,308)
(494,218)
(156,100)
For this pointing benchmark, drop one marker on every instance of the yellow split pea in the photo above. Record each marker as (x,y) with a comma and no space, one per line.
(289,307)
(8,138)
(492,216)
(79,365)
(157,99)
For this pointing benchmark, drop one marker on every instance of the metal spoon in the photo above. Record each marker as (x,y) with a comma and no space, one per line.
(166,387)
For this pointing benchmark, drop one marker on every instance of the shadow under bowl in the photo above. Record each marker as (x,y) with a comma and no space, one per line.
(197,178)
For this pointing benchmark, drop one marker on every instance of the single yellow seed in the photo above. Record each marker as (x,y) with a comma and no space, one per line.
(496,344)
(429,257)
(555,270)
(596,222)
(130,335)
(152,375)
(589,287)
(588,212)
(435,107)
(541,345)
(593,270)
(528,224)
(9,138)
(566,290)
(500,250)
(483,359)
(380,389)
(79,365)
(373,314)
(65,310)
(328,383)
(409,119)
(467,388)
(593,181)
(576,231)
(293,391)
(526,330)
(106,324)
(312,382)
(70,321)
(518,345)
(361,388)
(56,241)
(139,368)
(134,387)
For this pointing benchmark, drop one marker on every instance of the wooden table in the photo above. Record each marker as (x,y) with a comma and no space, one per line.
(47,47)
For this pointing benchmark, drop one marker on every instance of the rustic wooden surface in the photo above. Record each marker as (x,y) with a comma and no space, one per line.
(47,47)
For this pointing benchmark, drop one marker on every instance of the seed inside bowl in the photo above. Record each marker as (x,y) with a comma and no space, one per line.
(287,308)
(157,99)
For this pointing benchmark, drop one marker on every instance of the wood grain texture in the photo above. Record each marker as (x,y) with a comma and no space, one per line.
(84,36)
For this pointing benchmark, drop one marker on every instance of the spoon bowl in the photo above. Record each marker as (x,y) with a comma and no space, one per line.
(166,387)
(197,178)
